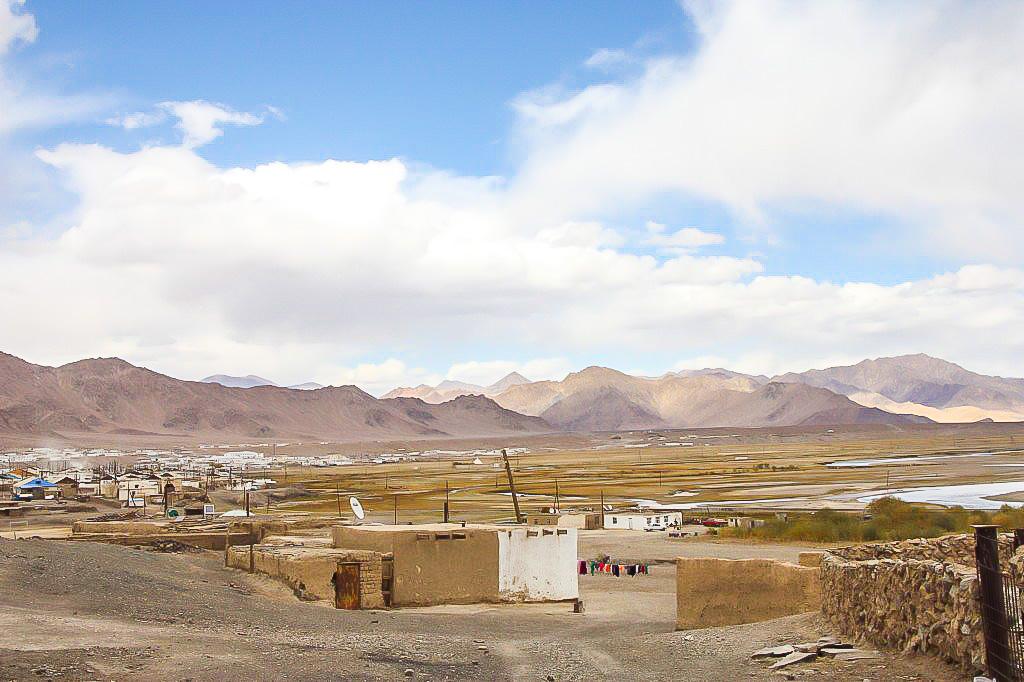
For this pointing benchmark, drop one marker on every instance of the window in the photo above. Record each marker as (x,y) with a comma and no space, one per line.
(614,520)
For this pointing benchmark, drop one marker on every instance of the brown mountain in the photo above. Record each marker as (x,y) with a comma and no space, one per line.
(446,390)
(112,396)
(921,384)
(602,399)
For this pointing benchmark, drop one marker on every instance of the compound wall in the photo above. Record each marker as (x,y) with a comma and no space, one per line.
(715,592)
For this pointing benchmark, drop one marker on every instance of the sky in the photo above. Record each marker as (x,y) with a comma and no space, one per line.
(398,193)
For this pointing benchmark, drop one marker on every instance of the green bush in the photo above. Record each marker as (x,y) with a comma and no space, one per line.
(889,519)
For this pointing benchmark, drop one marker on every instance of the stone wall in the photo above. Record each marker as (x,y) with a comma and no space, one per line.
(715,592)
(912,595)
(954,549)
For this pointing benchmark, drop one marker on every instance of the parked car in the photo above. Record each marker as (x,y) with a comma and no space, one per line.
(714,523)
(655,526)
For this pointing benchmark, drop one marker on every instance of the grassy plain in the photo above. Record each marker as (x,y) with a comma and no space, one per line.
(784,469)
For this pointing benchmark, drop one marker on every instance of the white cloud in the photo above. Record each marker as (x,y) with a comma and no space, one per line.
(293,269)
(682,240)
(605,58)
(24,106)
(906,110)
(200,122)
(15,25)
(301,271)
(380,378)
(138,119)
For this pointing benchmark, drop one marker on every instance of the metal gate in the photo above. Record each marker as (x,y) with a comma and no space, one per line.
(346,585)
(1001,601)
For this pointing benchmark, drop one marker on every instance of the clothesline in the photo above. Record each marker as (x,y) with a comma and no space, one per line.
(614,569)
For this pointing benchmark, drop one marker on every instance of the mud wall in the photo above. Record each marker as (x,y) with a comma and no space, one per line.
(714,592)
(913,595)
(436,565)
(310,571)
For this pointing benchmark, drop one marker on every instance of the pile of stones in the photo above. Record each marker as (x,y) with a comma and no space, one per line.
(793,654)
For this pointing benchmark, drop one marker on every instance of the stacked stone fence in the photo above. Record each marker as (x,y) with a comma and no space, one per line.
(912,595)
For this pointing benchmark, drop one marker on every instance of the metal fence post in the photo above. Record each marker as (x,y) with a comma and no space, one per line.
(993,609)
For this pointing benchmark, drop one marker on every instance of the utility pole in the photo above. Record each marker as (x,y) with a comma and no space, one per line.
(557,506)
(512,486)
(396,510)
(337,495)
(602,509)
(446,502)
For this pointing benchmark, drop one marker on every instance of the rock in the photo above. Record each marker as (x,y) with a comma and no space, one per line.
(806,647)
(793,659)
(837,649)
(856,655)
(773,652)
(409,672)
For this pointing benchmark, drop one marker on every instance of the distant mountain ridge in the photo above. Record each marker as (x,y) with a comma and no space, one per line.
(252,381)
(921,384)
(111,396)
(909,387)
(446,390)
(603,399)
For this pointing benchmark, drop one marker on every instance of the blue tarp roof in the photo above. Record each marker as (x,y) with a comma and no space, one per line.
(36,483)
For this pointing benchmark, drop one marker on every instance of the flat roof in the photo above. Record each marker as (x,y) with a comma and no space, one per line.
(429,527)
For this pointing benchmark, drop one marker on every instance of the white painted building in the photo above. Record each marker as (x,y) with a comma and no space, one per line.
(634,520)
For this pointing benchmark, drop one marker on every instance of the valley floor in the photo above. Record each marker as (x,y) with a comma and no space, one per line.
(79,611)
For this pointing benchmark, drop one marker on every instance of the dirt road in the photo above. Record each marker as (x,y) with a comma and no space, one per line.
(77,611)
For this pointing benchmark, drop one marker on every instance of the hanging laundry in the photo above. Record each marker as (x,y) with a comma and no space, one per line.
(615,570)
(583,568)
(631,570)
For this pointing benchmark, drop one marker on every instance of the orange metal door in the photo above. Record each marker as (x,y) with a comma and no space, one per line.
(346,586)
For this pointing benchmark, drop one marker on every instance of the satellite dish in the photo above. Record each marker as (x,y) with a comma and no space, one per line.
(357,508)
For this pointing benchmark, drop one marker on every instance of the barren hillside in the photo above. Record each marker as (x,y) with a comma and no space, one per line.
(113,396)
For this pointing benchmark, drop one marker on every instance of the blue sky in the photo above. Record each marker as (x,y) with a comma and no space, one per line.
(532,186)
(360,80)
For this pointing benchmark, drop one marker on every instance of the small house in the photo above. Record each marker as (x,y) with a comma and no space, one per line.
(456,564)
(745,522)
(642,520)
(35,489)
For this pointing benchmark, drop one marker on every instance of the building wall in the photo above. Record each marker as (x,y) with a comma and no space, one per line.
(538,565)
(716,592)
(455,565)
(450,566)
(588,521)
(311,570)
(640,521)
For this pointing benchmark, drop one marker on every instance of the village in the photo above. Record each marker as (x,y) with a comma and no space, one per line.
(620,560)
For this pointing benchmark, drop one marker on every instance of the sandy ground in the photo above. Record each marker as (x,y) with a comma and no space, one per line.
(89,611)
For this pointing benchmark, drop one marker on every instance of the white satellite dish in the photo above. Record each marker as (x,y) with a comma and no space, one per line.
(357,508)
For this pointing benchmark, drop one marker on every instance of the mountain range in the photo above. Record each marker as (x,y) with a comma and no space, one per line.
(598,398)
(446,390)
(111,396)
(251,381)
